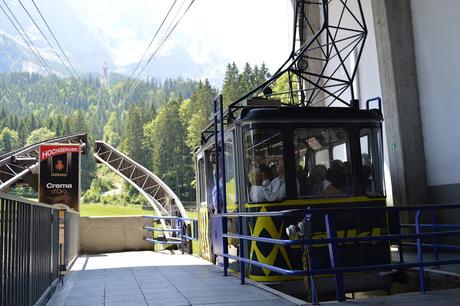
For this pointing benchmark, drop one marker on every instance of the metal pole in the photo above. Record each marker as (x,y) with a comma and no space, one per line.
(181,225)
(419,252)
(400,243)
(435,240)
(307,231)
(314,298)
(220,200)
(224,180)
(242,268)
(334,257)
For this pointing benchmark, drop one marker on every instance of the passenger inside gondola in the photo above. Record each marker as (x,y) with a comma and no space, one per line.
(266,190)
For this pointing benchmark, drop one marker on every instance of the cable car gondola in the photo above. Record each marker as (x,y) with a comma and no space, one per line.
(278,152)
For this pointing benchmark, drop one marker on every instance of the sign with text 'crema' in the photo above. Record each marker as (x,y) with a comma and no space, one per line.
(59,178)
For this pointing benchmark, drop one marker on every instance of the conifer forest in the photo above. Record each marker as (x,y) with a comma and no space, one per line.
(159,125)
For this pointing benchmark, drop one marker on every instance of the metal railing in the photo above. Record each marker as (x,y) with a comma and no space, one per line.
(29,248)
(333,242)
(71,238)
(181,232)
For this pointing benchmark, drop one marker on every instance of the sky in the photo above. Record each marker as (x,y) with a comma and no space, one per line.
(213,31)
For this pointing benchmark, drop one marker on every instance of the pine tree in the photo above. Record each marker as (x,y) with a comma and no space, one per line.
(58,126)
(246,80)
(132,144)
(112,131)
(230,88)
(202,104)
(171,158)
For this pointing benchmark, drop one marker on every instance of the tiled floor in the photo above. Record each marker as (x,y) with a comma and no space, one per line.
(148,278)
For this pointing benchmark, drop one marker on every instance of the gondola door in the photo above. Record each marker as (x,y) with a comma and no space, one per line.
(204,185)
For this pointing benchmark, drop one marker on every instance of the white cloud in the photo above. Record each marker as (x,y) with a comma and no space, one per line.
(240,30)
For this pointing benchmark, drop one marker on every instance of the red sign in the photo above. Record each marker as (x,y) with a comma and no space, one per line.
(59,179)
(47,151)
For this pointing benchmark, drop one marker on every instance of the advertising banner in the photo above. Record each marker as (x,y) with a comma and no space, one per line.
(59,178)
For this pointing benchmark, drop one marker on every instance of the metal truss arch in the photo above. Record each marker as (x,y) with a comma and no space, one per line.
(163,200)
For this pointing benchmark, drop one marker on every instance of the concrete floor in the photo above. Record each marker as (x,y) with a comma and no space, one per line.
(159,278)
(153,278)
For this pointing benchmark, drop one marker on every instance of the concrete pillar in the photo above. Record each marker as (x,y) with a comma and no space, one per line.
(398,78)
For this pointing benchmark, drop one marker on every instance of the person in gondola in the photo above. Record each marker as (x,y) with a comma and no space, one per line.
(274,191)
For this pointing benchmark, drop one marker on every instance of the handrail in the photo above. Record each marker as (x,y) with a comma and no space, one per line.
(333,241)
(292,212)
(10,197)
(379,102)
(180,229)
(149,228)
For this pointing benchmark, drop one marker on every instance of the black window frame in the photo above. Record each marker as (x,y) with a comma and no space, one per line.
(287,129)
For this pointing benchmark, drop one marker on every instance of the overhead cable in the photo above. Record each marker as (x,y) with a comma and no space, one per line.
(46,38)
(27,40)
(166,37)
(55,39)
(154,36)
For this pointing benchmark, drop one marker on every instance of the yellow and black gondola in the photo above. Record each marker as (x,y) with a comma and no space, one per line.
(311,157)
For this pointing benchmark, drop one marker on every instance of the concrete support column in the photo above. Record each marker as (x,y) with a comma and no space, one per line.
(398,78)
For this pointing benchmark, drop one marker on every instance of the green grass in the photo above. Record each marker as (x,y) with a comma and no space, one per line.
(111,210)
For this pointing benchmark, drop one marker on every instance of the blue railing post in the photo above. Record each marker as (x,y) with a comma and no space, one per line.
(397,213)
(181,225)
(419,251)
(400,243)
(434,228)
(309,250)
(153,235)
(334,255)
(242,268)
(221,196)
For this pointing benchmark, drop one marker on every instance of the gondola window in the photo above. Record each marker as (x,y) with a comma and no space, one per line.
(322,164)
(230,173)
(264,164)
(372,168)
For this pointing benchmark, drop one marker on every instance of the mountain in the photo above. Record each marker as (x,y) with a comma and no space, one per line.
(88,48)
(15,56)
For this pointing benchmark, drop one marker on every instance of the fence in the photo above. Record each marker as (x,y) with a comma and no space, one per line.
(178,234)
(71,238)
(29,247)
(437,231)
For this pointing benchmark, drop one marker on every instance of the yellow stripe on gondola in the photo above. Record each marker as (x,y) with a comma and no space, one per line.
(305,202)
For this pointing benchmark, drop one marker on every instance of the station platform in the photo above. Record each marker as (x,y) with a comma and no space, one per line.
(157,278)
(162,278)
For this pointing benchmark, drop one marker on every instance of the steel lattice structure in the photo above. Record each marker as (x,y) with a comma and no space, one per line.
(163,200)
(329,37)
